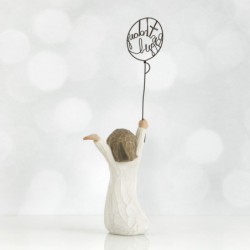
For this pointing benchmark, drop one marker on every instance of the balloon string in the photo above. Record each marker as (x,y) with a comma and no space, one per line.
(144,85)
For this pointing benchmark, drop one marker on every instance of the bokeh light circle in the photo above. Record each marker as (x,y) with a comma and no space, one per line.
(163,73)
(18,86)
(236,188)
(72,114)
(247,118)
(52,26)
(204,146)
(227,49)
(14,46)
(83,63)
(47,70)
(245,155)
(185,185)
(45,193)
(242,4)
(89,31)
(190,61)
(5,145)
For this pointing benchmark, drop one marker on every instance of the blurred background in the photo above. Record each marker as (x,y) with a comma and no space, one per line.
(65,72)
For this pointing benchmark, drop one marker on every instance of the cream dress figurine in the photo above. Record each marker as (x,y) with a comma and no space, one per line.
(123,214)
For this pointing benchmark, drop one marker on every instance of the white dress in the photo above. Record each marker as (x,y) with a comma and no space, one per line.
(123,214)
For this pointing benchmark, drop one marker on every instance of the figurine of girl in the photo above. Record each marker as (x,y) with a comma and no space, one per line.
(123,151)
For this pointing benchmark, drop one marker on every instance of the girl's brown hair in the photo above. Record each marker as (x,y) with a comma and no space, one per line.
(123,145)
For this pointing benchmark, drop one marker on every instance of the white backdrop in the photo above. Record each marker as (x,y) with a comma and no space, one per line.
(65,72)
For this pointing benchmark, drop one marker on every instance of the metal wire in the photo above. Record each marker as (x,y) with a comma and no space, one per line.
(144,85)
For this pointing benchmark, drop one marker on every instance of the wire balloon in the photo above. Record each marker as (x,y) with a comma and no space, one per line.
(144,41)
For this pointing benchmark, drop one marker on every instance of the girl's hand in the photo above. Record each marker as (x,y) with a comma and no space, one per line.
(143,124)
(93,137)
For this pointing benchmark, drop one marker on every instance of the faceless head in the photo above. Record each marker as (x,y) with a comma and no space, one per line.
(123,145)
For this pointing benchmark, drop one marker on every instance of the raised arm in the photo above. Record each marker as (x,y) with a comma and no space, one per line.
(102,146)
(140,135)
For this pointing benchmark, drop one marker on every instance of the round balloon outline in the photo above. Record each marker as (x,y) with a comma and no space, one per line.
(129,33)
